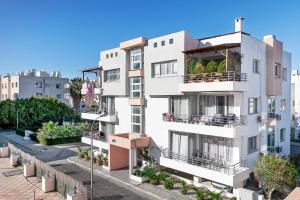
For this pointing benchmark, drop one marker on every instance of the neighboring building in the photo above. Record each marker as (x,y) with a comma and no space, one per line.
(209,126)
(33,83)
(295,104)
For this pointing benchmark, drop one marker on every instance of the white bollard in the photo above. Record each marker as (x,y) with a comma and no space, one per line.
(27,133)
(29,170)
(4,152)
(48,183)
(74,195)
(14,160)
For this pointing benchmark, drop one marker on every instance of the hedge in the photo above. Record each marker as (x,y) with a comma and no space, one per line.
(20,132)
(53,141)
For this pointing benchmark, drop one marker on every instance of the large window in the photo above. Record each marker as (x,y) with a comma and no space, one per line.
(111,75)
(282,104)
(252,144)
(136,87)
(252,105)
(282,134)
(271,137)
(164,69)
(136,119)
(271,107)
(136,59)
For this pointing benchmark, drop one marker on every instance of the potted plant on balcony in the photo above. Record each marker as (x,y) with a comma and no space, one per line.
(194,67)
(211,67)
(220,70)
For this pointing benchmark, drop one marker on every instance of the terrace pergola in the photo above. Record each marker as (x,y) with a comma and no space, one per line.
(94,70)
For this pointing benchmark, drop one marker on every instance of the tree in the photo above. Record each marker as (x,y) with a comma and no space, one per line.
(275,173)
(75,92)
(211,66)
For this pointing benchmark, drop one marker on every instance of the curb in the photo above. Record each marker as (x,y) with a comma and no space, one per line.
(120,181)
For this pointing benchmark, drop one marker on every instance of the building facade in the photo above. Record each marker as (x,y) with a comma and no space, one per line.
(33,83)
(205,107)
(295,104)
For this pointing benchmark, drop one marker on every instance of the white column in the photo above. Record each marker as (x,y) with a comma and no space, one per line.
(131,155)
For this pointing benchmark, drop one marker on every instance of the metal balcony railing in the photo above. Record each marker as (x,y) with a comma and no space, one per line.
(215,77)
(229,120)
(95,109)
(207,161)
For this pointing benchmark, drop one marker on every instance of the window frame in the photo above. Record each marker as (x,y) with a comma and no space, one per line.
(167,68)
(282,134)
(271,106)
(255,105)
(252,144)
(256,66)
(137,116)
(133,90)
(108,74)
(133,55)
(171,41)
(271,136)
(155,45)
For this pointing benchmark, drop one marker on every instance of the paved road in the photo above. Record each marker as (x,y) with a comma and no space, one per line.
(103,188)
(56,157)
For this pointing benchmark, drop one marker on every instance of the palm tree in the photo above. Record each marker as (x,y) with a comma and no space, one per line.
(75,92)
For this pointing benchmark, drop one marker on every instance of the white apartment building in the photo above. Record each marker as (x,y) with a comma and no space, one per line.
(33,83)
(295,103)
(206,107)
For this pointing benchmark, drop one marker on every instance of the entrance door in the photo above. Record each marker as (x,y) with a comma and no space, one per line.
(220,104)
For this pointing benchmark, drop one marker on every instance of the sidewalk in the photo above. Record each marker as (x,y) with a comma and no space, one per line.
(14,186)
(121,177)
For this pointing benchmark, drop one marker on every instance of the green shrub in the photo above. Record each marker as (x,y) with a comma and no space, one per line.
(138,173)
(33,137)
(163,176)
(149,172)
(184,188)
(168,184)
(20,132)
(221,66)
(154,180)
(200,194)
(211,66)
(99,159)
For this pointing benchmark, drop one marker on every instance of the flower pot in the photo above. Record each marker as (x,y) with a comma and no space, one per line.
(75,195)
(4,152)
(48,183)
(14,158)
(138,179)
(29,170)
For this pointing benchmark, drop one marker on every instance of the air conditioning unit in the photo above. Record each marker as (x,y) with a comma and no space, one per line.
(278,116)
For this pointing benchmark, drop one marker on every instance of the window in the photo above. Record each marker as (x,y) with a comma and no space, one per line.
(116,54)
(282,134)
(57,86)
(155,44)
(163,43)
(252,105)
(107,56)
(136,87)
(271,137)
(277,70)
(16,84)
(58,96)
(38,84)
(111,75)
(282,105)
(136,59)
(111,55)
(256,66)
(271,107)
(39,94)
(252,144)
(171,41)
(12,85)
(164,69)
(284,74)
(136,119)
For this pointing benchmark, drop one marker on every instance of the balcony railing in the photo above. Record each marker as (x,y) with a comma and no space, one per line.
(96,110)
(97,135)
(273,150)
(215,77)
(206,161)
(216,120)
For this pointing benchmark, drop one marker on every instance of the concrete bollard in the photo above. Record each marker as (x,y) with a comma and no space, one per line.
(29,170)
(14,158)
(74,195)
(27,133)
(48,183)
(4,152)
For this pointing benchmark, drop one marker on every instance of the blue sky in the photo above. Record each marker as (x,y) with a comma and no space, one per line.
(67,35)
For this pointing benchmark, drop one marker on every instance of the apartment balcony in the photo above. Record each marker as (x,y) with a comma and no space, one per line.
(206,166)
(99,140)
(217,82)
(230,126)
(95,113)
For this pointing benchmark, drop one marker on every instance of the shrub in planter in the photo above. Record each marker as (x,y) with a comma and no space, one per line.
(138,173)
(105,161)
(168,184)
(81,152)
(163,176)
(149,172)
(184,188)
(86,156)
(99,159)
(42,139)
(155,180)
(211,66)
(221,66)
(200,194)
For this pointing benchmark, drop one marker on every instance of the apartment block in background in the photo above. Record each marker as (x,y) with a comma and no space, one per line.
(207,108)
(295,104)
(33,83)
